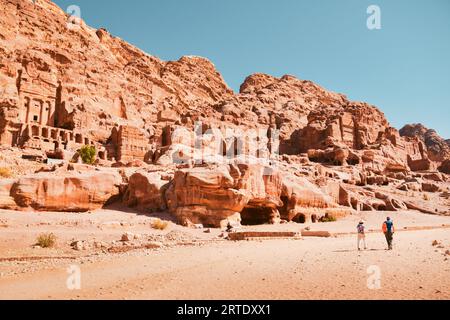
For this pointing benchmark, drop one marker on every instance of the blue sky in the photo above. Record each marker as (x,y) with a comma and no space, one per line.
(404,68)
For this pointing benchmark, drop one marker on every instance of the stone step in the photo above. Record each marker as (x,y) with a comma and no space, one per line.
(259,235)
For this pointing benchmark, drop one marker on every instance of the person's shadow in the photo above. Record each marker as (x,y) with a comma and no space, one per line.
(343,251)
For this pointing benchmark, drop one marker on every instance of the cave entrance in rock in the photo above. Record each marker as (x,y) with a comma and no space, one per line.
(300,218)
(252,216)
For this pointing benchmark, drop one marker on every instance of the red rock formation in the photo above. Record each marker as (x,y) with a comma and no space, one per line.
(66,192)
(62,88)
(6,201)
(438,148)
(251,193)
(71,87)
(355,125)
(57,95)
(146,190)
(445,167)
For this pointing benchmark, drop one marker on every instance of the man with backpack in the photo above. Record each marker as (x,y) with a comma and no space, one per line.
(389,230)
(361,235)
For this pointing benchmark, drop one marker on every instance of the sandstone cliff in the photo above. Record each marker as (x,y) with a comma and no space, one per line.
(438,148)
(63,86)
(87,84)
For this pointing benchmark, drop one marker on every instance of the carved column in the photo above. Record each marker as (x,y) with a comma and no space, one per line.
(50,115)
(41,113)
(27,109)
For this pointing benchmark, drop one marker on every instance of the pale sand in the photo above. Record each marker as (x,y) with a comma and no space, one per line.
(311,268)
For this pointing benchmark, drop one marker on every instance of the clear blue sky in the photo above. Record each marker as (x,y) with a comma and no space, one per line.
(404,68)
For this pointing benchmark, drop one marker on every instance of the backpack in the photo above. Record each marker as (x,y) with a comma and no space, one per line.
(389,225)
(360,228)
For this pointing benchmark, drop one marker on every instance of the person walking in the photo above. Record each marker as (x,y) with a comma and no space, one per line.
(389,230)
(361,235)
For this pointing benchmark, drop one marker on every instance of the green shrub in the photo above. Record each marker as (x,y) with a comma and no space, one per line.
(46,240)
(87,154)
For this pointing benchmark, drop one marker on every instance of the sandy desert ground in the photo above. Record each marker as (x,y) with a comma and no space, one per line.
(182,263)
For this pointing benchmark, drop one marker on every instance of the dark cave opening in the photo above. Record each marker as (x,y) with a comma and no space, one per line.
(300,218)
(252,216)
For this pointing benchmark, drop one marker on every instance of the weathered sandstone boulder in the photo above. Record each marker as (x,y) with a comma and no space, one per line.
(205,196)
(299,196)
(430,187)
(69,192)
(254,194)
(146,191)
(6,201)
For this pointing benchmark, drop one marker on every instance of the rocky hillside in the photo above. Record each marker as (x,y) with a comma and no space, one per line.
(438,148)
(100,81)
(63,86)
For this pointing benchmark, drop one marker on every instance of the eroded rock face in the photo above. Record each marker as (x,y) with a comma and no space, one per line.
(249,193)
(355,125)
(126,114)
(70,192)
(146,190)
(355,132)
(205,195)
(438,148)
(74,86)
(424,164)
(445,166)
(62,88)
(6,200)
(100,90)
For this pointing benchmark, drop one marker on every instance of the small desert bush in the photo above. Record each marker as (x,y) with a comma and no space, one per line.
(87,154)
(5,173)
(328,218)
(160,224)
(426,197)
(46,240)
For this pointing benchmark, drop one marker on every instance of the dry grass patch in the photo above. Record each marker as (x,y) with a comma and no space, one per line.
(159,224)
(5,173)
(328,218)
(46,240)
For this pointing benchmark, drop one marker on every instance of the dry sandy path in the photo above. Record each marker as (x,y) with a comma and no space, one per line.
(278,269)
